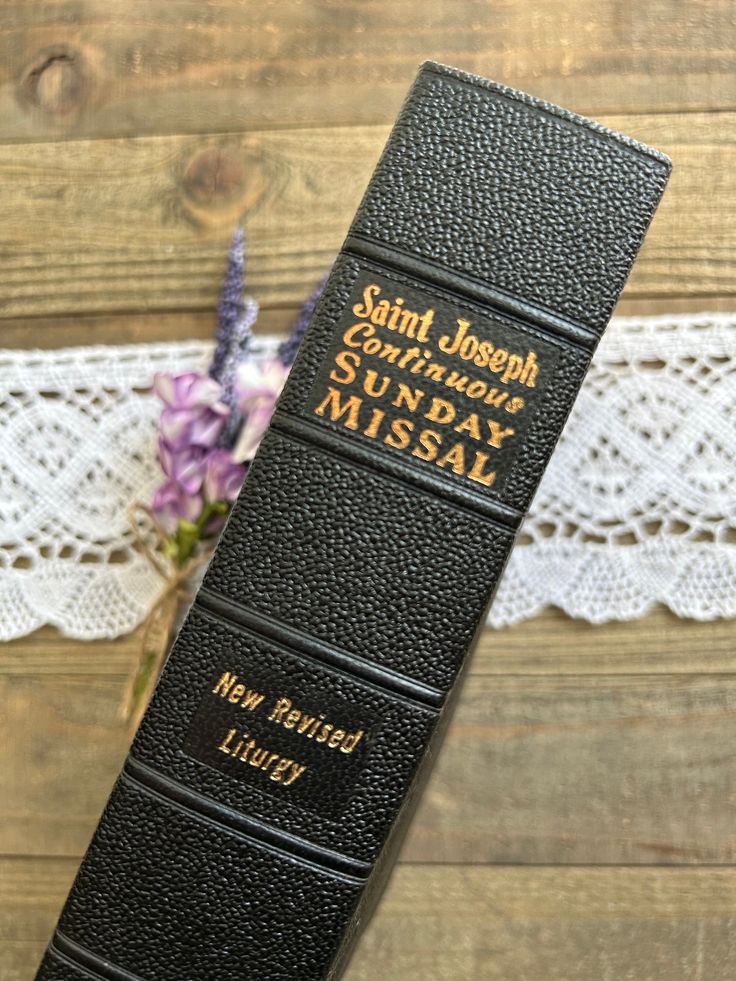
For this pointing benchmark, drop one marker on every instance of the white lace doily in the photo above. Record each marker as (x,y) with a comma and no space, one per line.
(637,506)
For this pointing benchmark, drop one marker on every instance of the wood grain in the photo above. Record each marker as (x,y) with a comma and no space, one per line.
(443,923)
(61,747)
(70,331)
(584,769)
(594,767)
(133,135)
(142,225)
(549,644)
(515,924)
(130,67)
(65,331)
(32,892)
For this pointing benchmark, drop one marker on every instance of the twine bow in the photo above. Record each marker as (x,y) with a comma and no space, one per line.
(160,622)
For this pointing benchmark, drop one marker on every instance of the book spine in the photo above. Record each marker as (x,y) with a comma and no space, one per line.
(271,779)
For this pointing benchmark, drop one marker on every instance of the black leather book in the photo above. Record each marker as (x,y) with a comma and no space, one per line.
(273,775)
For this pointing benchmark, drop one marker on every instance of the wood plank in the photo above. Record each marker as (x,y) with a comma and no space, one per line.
(71,331)
(659,643)
(143,224)
(47,652)
(535,768)
(122,67)
(584,770)
(441,923)
(61,747)
(53,332)
(514,924)
(32,892)
(549,644)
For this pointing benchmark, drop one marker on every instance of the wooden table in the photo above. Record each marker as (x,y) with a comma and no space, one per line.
(580,822)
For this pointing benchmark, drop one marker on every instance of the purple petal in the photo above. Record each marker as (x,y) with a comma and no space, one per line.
(186,466)
(166,458)
(198,390)
(223,476)
(205,427)
(170,503)
(174,426)
(189,390)
(163,386)
(259,412)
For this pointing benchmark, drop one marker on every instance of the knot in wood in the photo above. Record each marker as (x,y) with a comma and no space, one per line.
(56,83)
(214,177)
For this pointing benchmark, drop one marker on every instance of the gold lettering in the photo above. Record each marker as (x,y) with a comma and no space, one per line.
(451,345)
(361,328)
(375,424)
(498,434)
(430,441)
(440,411)
(495,398)
(367,308)
(411,397)
(251,700)
(455,457)
(476,471)
(528,374)
(280,769)
(427,319)
(224,685)
(348,361)
(498,359)
(337,409)
(470,425)
(296,771)
(259,755)
(282,706)
(401,430)
(370,387)
(351,741)
(485,350)
(326,730)
(236,693)
(336,738)
(513,368)
(224,745)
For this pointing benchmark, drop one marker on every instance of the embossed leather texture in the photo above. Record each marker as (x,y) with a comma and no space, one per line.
(275,771)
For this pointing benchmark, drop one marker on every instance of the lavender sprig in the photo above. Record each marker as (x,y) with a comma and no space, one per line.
(240,341)
(211,425)
(230,306)
(287,349)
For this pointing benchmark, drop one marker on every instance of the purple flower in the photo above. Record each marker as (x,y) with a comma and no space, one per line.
(186,466)
(189,426)
(223,477)
(258,389)
(189,390)
(193,413)
(192,427)
(171,503)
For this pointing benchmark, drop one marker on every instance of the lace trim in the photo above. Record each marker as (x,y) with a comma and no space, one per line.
(636,508)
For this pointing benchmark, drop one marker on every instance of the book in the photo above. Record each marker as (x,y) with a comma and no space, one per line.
(274,773)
